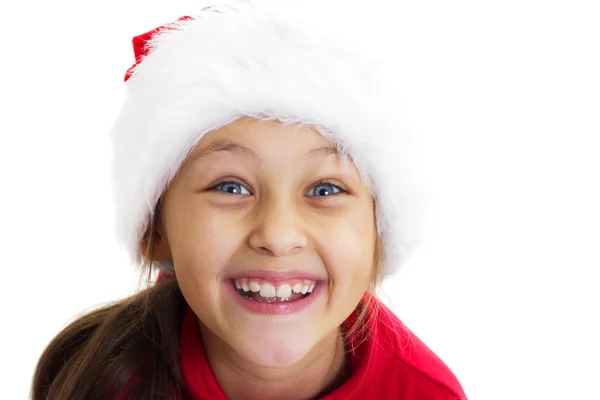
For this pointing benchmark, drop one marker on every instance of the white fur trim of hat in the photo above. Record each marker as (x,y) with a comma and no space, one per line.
(254,59)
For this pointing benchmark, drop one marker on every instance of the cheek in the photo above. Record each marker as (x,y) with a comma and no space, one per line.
(202,242)
(347,251)
(348,247)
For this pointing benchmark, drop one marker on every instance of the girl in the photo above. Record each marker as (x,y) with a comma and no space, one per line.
(262,170)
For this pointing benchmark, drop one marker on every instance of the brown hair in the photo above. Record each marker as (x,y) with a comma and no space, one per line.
(129,350)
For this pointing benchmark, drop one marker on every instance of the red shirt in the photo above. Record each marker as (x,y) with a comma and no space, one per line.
(391,364)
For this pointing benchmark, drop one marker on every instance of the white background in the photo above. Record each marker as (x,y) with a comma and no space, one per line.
(507,96)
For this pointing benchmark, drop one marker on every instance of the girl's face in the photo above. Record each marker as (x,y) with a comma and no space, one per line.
(272,235)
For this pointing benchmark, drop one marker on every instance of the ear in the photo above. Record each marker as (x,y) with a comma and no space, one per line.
(161,250)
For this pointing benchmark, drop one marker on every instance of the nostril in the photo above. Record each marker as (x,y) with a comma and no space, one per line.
(277,252)
(276,240)
(265,251)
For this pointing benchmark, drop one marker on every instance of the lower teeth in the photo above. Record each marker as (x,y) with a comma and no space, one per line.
(251,296)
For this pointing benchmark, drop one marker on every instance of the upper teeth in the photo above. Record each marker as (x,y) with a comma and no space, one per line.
(268,289)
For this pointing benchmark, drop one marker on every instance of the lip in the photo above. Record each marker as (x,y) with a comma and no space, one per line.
(256,307)
(276,275)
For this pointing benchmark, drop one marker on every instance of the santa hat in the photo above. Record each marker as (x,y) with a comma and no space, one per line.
(249,59)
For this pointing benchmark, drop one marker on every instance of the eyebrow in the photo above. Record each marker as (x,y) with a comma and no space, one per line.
(323,151)
(233,147)
(223,145)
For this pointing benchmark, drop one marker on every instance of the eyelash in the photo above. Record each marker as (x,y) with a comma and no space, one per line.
(341,190)
(215,188)
(329,183)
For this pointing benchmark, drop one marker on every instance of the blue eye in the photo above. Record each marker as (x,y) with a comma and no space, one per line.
(232,188)
(324,189)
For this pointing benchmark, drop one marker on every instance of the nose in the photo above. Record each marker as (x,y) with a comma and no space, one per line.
(278,230)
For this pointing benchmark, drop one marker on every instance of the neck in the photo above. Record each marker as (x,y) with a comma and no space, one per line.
(321,371)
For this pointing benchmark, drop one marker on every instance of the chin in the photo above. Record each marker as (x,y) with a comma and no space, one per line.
(276,349)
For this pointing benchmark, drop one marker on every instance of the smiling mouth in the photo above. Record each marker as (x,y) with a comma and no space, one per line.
(273,292)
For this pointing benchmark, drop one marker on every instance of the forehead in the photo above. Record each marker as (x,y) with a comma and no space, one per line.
(278,149)
(263,138)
